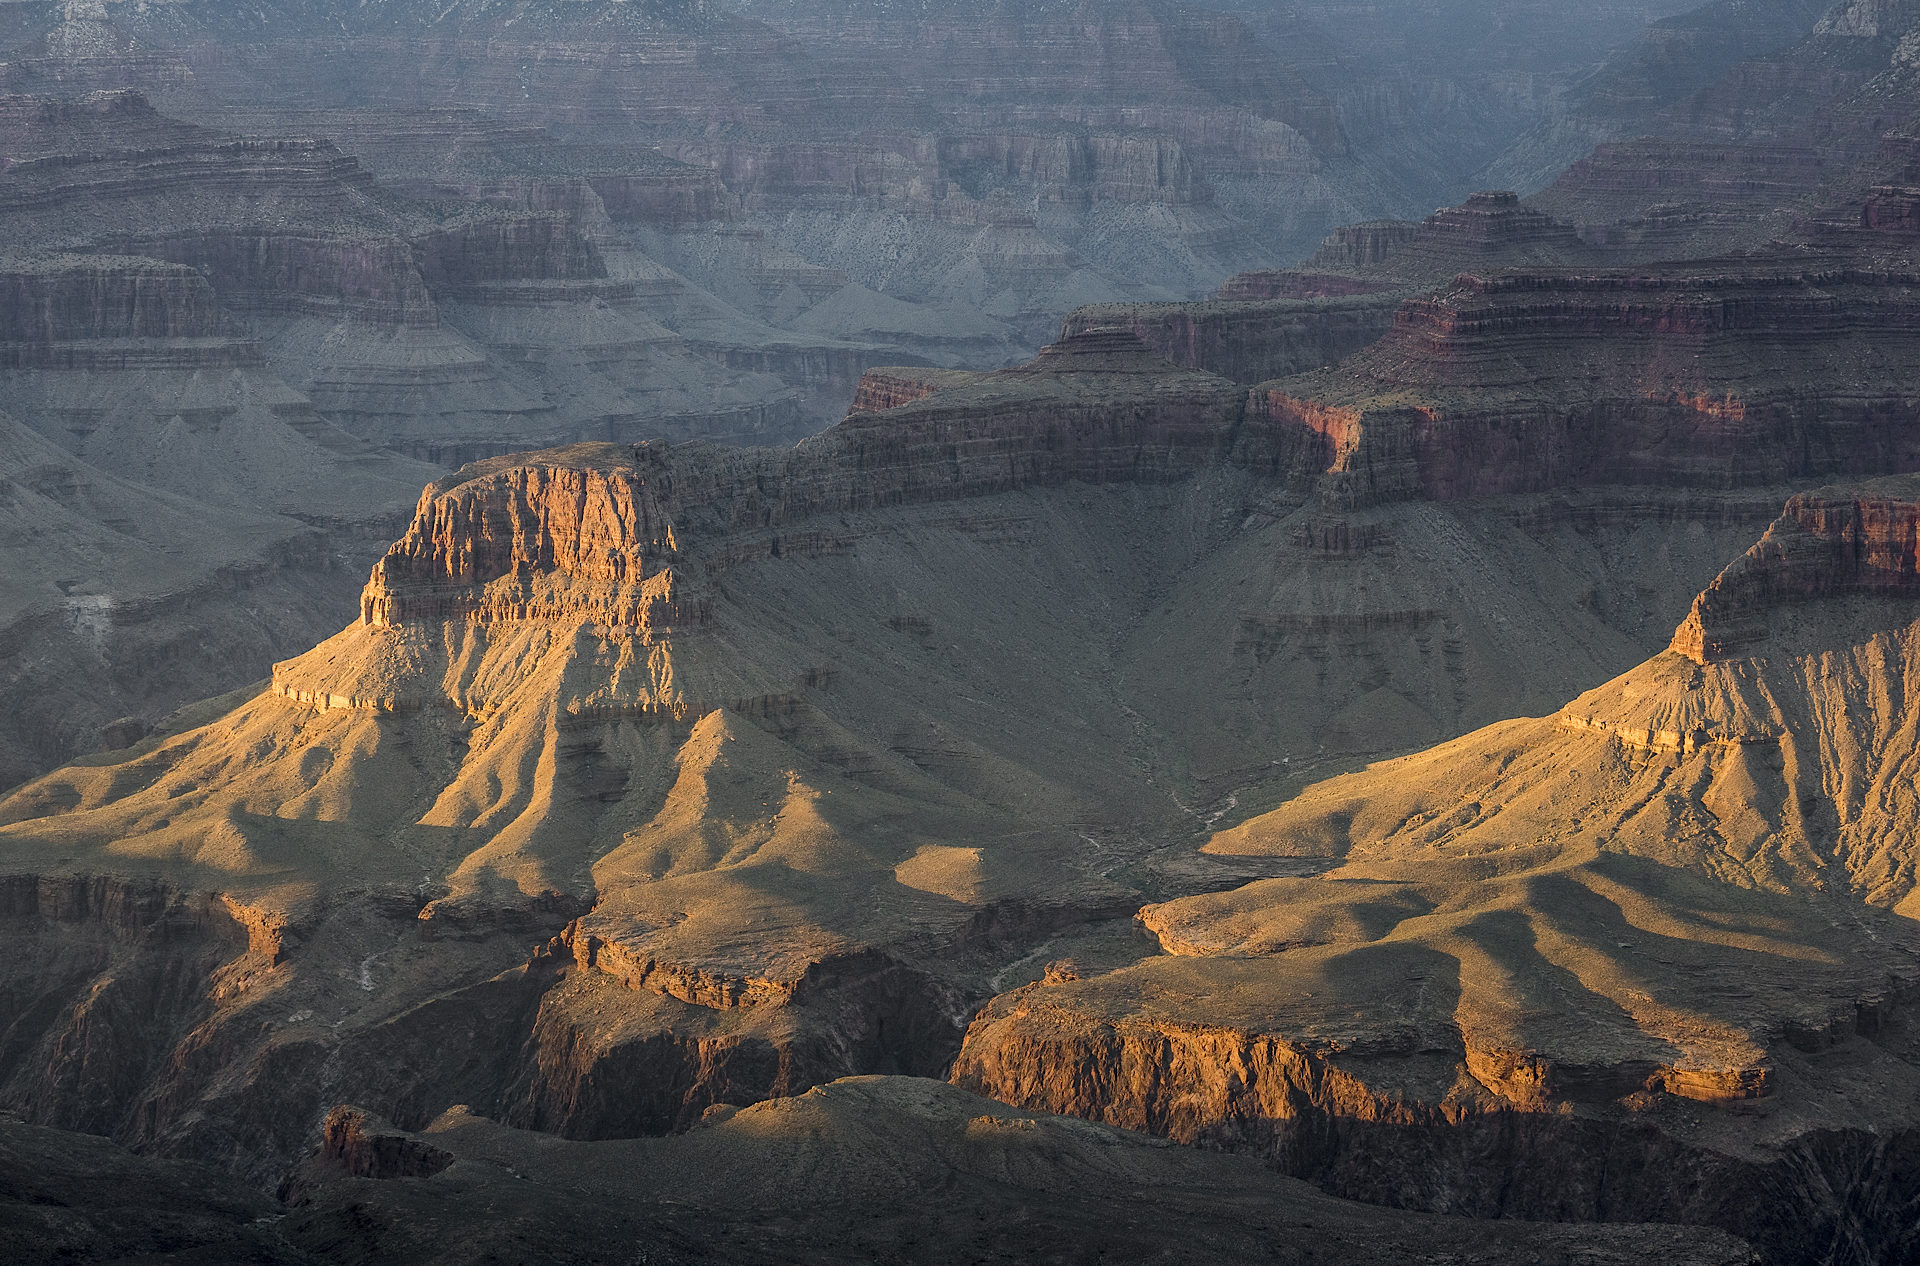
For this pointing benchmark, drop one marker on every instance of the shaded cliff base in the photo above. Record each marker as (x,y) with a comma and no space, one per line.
(888,1168)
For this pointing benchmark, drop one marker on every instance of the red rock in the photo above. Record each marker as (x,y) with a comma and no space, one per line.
(1729,373)
(1824,544)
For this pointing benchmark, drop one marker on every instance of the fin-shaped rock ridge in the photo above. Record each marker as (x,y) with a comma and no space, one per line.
(1830,543)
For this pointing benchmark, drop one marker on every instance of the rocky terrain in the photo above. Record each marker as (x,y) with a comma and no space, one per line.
(914,1170)
(451,232)
(784,761)
(1427,721)
(1552,941)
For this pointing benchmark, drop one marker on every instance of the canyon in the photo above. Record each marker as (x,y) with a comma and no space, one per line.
(831,631)
(625,221)
(588,706)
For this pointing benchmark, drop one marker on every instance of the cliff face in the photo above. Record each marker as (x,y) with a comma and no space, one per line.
(1822,546)
(118,971)
(110,162)
(1272,324)
(1751,373)
(55,307)
(682,713)
(1251,341)
(1357,1120)
(1892,209)
(481,320)
(376,279)
(890,388)
(600,544)
(1489,226)
(669,199)
(373,280)
(597,546)
(952,1173)
(535,247)
(1675,199)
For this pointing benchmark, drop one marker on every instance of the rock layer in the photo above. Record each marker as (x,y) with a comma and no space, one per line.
(943,1175)
(1749,371)
(1823,545)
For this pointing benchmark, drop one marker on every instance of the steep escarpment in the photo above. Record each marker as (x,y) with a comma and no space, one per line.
(1272,324)
(1749,371)
(113,972)
(54,300)
(482,321)
(608,541)
(271,273)
(1489,226)
(251,324)
(1251,340)
(949,1173)
(1678,198)
(690,775)
(129,389)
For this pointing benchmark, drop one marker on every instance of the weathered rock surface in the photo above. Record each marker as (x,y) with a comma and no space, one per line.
(1805,107)
(1003,162)
(253,325)
(1826,545)
(1535,949)
(1272,324)
(1253,340)
(1745,371)
(176,517)
(656,780)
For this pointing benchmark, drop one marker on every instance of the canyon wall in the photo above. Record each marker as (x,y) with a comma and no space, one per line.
(1823,545)
(1253,340)
(1745,374)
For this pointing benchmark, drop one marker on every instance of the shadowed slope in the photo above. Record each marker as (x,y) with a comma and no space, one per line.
(906,1170)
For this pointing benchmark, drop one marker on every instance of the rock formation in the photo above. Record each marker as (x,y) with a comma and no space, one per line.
(253,323)
(1746,371)
(921,1168)
(1273,324)
(1126,730)
(682,718)
(1546,942)
(1823,546)
(1251,340)
(884,1164)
